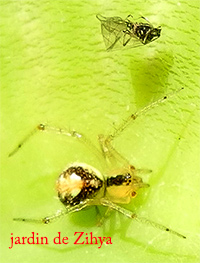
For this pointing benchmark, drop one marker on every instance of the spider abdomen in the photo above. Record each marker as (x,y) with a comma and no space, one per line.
(79,182)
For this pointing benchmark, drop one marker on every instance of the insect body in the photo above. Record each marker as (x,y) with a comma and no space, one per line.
(119,33)
(81,185)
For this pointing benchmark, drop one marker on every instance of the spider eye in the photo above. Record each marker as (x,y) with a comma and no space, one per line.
(133,194)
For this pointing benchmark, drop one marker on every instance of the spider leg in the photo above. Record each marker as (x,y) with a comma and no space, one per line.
(102,218)
(132,215)
(122,126)
(109,152)
(57,215)
(69,133)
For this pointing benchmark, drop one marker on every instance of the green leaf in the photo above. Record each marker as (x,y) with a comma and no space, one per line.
(55,70)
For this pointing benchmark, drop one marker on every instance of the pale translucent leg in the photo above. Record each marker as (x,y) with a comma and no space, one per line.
(69,133)
(57,215)
(102,218)
(122,126)
(132,215)
(109,152)
(105,141)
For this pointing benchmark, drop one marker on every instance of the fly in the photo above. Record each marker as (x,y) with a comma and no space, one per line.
(119,33)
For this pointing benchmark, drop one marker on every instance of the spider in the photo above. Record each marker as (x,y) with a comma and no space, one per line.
(117,32)
(81,185)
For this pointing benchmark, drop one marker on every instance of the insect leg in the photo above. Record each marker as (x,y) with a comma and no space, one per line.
(125,42)
(113,44)
(146,19)
(132,215)
(127,18)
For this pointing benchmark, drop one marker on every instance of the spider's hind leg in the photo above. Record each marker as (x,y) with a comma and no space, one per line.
(133,215)
(101,218)
(57,215)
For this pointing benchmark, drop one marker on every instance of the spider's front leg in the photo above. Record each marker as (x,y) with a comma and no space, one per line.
(109,152)
(131,118)
(56,130)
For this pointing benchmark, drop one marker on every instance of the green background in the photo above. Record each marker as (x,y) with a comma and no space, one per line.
(55,70)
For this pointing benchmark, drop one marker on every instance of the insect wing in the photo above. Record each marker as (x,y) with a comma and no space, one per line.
(112,31)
